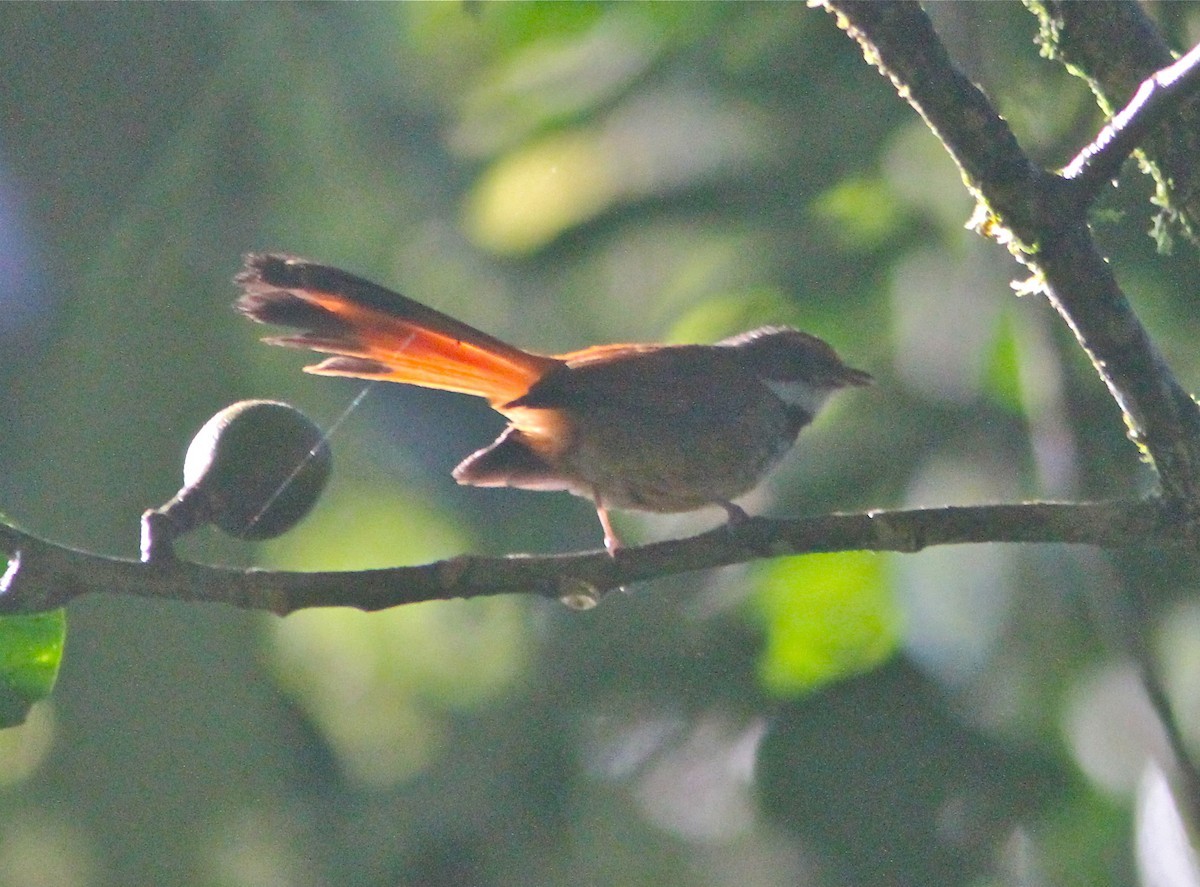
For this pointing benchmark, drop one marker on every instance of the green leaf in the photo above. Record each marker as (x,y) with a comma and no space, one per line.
(1002,374)
(724,314)
(863,210)
(30,652)
(826,617)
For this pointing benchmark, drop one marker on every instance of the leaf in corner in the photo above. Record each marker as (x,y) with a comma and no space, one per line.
(826,617)
(30,652)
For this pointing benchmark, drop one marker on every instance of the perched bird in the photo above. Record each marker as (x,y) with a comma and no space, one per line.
(662,428)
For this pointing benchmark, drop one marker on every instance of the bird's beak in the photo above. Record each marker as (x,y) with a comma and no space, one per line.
(852,378)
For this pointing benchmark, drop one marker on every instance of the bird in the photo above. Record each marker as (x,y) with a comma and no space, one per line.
(644,427)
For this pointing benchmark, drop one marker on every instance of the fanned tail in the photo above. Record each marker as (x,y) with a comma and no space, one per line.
(375,333)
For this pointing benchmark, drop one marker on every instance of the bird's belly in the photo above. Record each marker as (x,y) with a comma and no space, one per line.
(678,462)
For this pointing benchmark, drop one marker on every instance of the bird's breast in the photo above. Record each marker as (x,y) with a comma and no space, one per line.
(670,437)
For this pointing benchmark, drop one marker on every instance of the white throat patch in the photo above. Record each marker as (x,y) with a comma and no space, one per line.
(800,394)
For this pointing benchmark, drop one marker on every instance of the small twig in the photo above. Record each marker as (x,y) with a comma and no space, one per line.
(1121,617)
(50,575)
(1186,768)
(1157,98)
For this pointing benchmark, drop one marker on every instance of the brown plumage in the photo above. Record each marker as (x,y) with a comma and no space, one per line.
(650,427)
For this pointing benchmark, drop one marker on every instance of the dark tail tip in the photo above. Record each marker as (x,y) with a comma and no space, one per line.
(267,281)
(271,269)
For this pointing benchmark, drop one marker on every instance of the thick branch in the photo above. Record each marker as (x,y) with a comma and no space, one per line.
(44,575)
(898,38)
(1043,218)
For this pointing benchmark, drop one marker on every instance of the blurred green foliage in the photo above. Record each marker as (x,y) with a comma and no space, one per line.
(31,650)
(562,174)
(826,617)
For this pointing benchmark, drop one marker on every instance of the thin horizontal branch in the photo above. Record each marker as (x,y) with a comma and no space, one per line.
(43,575)
(1042,217)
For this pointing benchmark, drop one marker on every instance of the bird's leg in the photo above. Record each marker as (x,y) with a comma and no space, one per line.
(611,542)
(736,514)
(737,519)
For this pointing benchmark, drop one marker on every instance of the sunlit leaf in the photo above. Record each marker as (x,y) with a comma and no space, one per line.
(1002,374)
(30,652)
(864,211)
(380,687)
(534,194)
(552,80)
(1080,838)
(723,315)
(356,526)
(826,617)
(661,142)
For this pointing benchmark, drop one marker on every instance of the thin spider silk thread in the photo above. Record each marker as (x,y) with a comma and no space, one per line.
(326,435)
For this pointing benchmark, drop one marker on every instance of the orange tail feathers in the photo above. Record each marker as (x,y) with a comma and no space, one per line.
(375,333)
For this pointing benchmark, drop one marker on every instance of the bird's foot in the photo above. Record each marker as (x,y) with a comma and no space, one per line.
(737,515)
(738,519)
(611,541)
